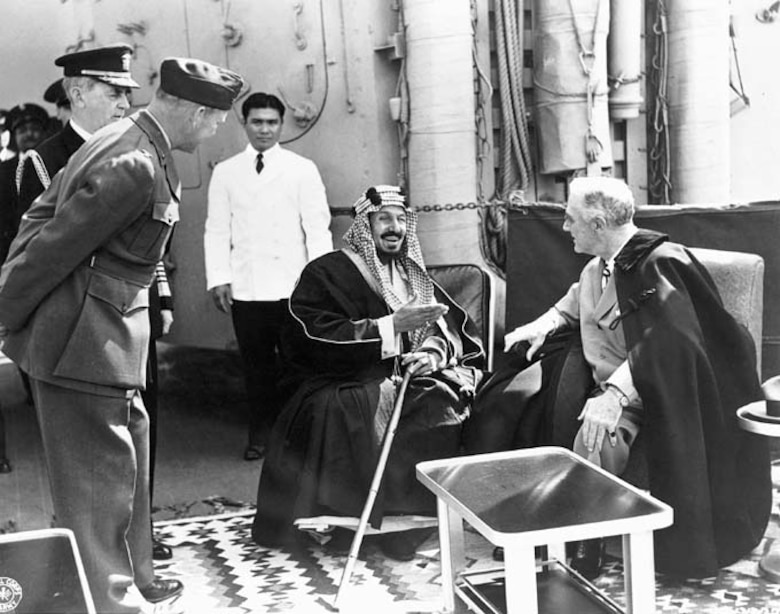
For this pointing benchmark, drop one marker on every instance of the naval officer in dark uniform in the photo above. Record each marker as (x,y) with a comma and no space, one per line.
(74,298)
(97,82)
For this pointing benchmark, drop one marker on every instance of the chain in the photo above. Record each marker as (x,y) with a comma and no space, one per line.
(436,208)
(402,92)
(660,154)
(495,203)
(587,56)
(483,94)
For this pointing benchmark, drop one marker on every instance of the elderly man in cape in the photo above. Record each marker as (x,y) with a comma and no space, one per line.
(360,317)
(653,350)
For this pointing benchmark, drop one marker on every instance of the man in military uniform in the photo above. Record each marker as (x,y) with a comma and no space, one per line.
(26,124)
(97,83)
(74,308)
(96,89)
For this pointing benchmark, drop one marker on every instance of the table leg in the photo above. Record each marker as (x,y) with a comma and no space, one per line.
(557,551)
(520,580)
(769,565)
(452,548)
(639,564)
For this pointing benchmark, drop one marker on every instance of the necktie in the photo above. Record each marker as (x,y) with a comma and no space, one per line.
(605,274)
(259,163)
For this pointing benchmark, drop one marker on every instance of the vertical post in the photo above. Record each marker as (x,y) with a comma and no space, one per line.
(557,551)
(452,551)
(520,580)
(699,101)
(442,128)
(639,563)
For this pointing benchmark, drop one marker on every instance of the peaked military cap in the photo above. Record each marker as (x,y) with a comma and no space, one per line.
(26,112)
(200,82)
(110,64)
(55,94)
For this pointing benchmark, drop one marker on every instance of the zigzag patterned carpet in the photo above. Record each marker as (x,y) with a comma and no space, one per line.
(224,572)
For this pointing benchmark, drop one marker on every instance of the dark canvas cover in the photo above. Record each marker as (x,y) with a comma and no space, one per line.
(541,263)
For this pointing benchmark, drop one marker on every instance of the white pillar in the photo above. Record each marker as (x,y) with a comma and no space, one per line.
(699,101)
(442,133)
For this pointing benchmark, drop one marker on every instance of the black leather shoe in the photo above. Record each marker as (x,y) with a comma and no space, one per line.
(161,589)
(396,546)
(340,541)
(402,545)
(161,551)
(5,466)
(588,558)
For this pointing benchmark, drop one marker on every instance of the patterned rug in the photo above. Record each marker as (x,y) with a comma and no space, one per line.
(224,572)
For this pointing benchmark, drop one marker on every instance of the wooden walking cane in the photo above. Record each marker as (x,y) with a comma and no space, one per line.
(378,473)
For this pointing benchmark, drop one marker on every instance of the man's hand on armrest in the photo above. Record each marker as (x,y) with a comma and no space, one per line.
(534,332)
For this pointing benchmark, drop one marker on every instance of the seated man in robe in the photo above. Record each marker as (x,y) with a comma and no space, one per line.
(360,317)
(655,351)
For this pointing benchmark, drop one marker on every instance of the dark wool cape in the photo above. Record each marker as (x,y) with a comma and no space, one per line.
(324,447)
(693,366)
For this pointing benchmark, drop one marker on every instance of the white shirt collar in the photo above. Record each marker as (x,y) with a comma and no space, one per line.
(610,264)
(270,152)
(83,133)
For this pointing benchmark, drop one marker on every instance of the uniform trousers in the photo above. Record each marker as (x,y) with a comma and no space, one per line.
(97,452)
(257,325)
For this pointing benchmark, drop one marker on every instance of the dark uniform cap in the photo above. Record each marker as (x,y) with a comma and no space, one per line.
(24,113)
(55,94)
(201,82)
(109,64)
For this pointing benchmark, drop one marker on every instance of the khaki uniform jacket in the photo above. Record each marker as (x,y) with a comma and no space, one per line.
(75,295)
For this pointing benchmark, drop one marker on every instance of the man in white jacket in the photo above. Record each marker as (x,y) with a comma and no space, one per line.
(268,216)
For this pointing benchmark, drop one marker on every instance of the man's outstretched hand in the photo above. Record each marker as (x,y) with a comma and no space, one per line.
(414,315)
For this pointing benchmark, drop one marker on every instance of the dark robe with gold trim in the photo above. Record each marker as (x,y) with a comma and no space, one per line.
(325,444)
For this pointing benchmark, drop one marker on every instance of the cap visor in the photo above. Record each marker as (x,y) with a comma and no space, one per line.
(118,81)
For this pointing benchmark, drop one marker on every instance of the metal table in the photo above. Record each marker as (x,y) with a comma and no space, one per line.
(753,418)
(540,496)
